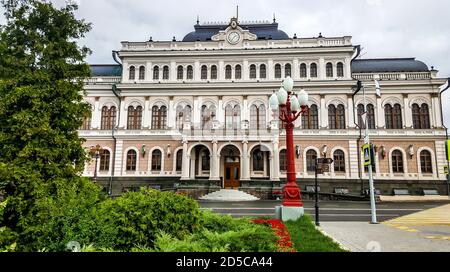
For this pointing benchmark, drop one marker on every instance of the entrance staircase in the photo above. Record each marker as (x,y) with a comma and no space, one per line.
(229,195)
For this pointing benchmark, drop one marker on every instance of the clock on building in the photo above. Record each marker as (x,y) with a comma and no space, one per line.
(233,37)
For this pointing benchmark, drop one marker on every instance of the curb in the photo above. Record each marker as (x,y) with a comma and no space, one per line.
(332,238)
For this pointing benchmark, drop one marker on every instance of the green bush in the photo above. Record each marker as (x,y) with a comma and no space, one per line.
(56,219)
(136,218)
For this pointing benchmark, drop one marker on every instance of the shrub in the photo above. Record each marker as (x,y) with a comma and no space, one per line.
(135,218)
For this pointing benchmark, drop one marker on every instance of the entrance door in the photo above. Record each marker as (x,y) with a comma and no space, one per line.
(231,175)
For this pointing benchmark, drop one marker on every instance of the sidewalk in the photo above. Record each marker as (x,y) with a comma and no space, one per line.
(365,237)
(384,198)
(425,231)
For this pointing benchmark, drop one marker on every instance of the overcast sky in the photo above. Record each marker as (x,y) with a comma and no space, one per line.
(384,28)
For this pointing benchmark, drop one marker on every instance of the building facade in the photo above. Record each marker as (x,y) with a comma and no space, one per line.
(195,113)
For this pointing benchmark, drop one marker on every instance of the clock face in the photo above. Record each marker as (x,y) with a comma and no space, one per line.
(234,37)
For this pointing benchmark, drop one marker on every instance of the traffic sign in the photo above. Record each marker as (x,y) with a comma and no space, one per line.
(367,156)
(324,161)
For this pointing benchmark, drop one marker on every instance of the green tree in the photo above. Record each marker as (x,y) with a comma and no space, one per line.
(42,69)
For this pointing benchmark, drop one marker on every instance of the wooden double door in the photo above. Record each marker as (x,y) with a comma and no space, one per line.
(232,175)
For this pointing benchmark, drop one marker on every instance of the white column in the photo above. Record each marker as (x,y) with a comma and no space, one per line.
(350,112)
(96,115)
(220,114)
(245,161)
(276,161)
(171,115)
(347,68)
(123,115)
(119,159)
(146,121)
(321,68)
(407,113)
(148,71)
(380,114)
(196,113)
(126,72)
(221,72)
(173,71)
(245,70)
(435,112)
(215,162)
(245,110)
(197,71)
(295,74)
(441,159)
(270,74)
(185,161)
(192,167)
(323,113)
(353,154)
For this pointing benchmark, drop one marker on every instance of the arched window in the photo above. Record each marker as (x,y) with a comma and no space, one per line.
(180,72)
(311,156)
(132,73)
(232,117)
(340,69)
(287,70)
(310,119)
(134,117)
(425,162)
(252,71)
(370,116)
(156,160)
(329,69)
(257,117)
(313,70)
(303,70)
(87,121)
(393,116)
(262,71)
(108,118)
(155,73)
(166,72)
(204,72)
(228,72)
(179,160)
(397,161)
(159,117)
(183,115)
(208,115)
(277,70)
(258,160)
(421,116)
(336,116)
(141,73)
(213,72)
(237,72)
(131,160)
(104,160)
(339,161)
(283,161)
(190,72)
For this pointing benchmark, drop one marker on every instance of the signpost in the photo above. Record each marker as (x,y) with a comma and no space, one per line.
(322,166)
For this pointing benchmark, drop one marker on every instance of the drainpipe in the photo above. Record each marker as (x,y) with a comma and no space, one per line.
(116,92)
(446,132)
(358,144)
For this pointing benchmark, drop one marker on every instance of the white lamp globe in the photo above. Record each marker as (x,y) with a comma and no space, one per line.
(288,84)
(273,101)
(295,106)
(282,96)
(303,98)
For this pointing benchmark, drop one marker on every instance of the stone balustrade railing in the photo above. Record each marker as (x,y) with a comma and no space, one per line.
(393,76)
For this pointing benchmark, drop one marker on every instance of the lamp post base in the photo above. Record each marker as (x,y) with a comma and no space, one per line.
(286,213)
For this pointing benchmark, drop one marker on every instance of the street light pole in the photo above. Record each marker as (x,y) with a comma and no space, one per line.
(95,152)
(291,107)
(371,186)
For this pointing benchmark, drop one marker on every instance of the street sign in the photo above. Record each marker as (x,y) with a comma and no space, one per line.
(367,156)
(326,168)
(324,161)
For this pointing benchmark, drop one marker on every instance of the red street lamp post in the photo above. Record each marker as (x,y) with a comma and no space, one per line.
(291,107)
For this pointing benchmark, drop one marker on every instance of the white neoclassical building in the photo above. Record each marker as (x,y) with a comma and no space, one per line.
(195,112)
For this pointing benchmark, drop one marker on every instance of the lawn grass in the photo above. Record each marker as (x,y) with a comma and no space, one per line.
(306,238)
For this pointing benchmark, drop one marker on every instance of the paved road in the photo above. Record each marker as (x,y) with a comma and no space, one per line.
(330,211)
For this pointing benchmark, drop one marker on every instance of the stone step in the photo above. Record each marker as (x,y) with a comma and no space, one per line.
(229,195)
